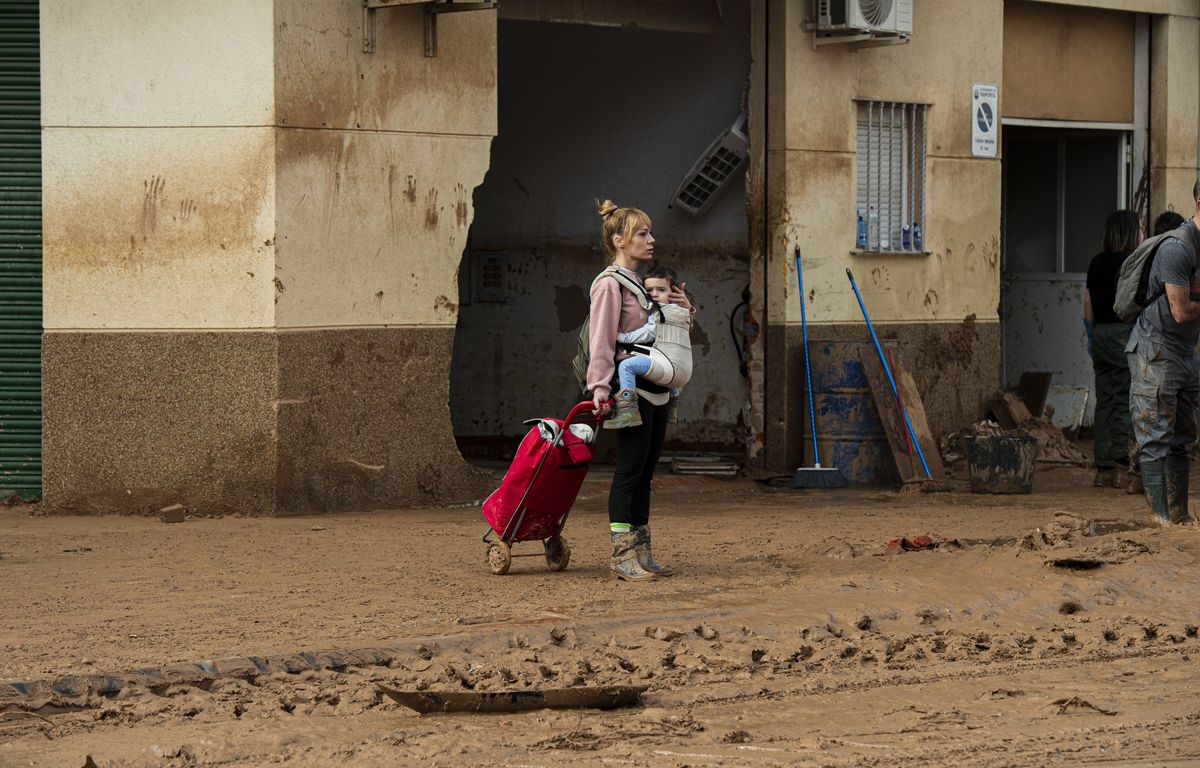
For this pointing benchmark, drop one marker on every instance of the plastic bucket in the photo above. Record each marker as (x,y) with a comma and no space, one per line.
(999,464)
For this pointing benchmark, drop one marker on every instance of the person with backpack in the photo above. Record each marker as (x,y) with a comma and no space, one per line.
(1107,336)
(619,304)
(1164,369)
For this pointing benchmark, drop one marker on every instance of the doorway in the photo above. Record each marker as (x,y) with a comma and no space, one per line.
(1059,185)
(586,111)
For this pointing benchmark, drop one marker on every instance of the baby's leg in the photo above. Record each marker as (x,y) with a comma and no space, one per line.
(630,368)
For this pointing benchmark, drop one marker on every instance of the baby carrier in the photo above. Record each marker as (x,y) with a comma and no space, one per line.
(671,353)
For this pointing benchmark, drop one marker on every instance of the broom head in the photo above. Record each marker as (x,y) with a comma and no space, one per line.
(819,477)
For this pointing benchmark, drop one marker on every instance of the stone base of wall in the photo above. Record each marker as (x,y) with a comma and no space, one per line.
(956,367)
(252,422)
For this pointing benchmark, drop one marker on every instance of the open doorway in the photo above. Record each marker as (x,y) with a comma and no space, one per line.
(1059,186)
(591,111)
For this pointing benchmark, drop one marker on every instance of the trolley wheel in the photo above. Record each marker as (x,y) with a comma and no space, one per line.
(558,553)
(499,557)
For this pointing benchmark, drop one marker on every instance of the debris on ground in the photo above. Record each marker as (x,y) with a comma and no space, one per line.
(427,702)
(710,464)
(1074,702)
(1011,418)
(918,543)
(176,513)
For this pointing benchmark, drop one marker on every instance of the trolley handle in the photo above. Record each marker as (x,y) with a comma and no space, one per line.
(579,411)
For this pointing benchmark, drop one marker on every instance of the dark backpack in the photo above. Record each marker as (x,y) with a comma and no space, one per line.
(1133,279)
(583,353)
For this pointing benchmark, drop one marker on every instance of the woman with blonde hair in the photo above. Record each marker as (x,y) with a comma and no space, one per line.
(628,243)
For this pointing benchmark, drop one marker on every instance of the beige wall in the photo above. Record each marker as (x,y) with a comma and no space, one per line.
(158,165)
(372,226)
(152,63)
(247,165)
(1172,7)
(158,227)
(1174,104)
(378,155)
(1065,63)
(938,67)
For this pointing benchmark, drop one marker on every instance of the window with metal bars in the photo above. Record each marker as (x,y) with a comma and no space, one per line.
(890,216)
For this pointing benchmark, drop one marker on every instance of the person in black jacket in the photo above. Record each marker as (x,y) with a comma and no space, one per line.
(1107,337)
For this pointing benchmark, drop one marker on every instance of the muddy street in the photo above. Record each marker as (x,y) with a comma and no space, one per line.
(1039,630)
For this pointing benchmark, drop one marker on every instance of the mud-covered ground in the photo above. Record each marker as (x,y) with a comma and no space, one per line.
(1051,629)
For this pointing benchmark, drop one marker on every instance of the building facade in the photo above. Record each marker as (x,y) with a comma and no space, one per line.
(303,256)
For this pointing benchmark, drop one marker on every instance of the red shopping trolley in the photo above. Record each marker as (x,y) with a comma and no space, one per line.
(540,487)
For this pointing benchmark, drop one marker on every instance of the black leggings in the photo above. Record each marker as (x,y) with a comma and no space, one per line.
(638,449)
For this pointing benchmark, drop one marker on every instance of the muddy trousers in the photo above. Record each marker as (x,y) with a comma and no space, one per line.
(638,449)
(1112,430)
(1164,390)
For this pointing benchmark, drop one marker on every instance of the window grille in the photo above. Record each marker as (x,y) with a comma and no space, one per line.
(890,214)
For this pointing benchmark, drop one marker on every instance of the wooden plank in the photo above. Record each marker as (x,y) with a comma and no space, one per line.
(908,466)
(917,417)
(1009,410)
(908,463)
(1033,388)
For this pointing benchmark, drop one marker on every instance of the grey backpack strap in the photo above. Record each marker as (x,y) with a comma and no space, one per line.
(638,290)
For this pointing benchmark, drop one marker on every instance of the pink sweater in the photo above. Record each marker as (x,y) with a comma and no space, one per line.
(614,310)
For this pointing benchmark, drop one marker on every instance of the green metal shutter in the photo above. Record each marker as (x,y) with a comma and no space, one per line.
(20,251)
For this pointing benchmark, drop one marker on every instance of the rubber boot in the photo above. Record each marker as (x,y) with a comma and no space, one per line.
(1135,484)
(645,555)
(625,559)
(1104,477)
(1176,475)
(627,413)
(1154,482)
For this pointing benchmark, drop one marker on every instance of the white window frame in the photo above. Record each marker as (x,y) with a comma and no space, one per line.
(890,167)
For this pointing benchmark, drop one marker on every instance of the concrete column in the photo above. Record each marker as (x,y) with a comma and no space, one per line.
(1174,103)
(251,231)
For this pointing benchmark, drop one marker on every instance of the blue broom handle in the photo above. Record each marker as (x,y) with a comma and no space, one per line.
(812,412)
(883,360)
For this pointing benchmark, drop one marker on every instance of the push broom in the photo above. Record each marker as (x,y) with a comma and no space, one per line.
(930,484)
(815,476)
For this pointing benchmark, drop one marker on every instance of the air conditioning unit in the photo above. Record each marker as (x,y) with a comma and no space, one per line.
(713,171)
(864,18)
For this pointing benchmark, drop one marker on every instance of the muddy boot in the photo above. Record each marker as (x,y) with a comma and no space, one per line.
(1104,477)
(1176,476)
(644,554)
(625,559)
(1156,490)
(1135,485)
(627,413)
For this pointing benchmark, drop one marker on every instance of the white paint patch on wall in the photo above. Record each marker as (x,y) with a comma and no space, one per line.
(158,228)
(155,63)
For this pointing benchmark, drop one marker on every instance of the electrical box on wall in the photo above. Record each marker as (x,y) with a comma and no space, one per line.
(489,274)
(874,22)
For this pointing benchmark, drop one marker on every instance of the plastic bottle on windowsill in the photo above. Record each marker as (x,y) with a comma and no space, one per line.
(918,238)
(906,237)
(860,231)
(872,227)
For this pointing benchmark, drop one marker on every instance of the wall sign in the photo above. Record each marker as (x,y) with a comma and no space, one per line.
(985,120)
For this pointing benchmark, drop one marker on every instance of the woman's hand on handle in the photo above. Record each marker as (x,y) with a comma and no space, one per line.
(601,403)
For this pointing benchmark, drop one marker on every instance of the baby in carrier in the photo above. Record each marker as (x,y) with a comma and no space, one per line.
(662,350)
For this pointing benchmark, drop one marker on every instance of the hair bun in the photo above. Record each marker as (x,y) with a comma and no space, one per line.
(607,208)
